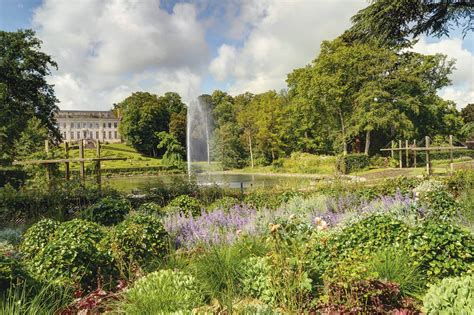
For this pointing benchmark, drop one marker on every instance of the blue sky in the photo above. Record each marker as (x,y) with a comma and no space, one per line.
(108,49)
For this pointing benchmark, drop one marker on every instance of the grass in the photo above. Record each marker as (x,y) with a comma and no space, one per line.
(133,158)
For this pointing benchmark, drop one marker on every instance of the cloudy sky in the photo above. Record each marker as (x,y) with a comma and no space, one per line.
(107,49)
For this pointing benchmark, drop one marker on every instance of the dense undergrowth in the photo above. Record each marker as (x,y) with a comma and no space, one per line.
(404,245)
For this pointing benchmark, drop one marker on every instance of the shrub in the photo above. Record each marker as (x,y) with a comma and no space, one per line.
(162,292)
(186,204)
(108,211)
(460,181)
(397,267)
(150,208)
(37,236)
(73,255)
(256,279)
(441,249)
(352,162)
(450,296)
(369,234)
(11,236)
(224,203)
(11,272)
(139,238)
(261,200)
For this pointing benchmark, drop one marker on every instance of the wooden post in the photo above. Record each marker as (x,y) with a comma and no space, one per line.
(400,153)
(81,164)
(99,175)
(46,146)
(392,153)
(414,153)
(451,164)
(428,166)
(407,157)
(66,169)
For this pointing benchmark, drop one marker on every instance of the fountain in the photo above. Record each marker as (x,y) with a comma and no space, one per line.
(198,124)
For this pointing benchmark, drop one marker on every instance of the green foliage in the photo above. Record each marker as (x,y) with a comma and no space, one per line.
(138,239)
(145,115)
(224,203)
(175,152)
(186,204)
(163,291)
(150,208)
(24,91)
(460,181)
(397,266)
(256,282)
(370,234)
(450,296)
(441,249)
(107,211)
(37,237)
(262,199)
(300,162)
(10,236)
(73,255)
(11,272)
(219,272)
(24,300)
(351,163)
(400,22)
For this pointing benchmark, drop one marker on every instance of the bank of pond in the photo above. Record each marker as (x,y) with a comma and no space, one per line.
(401,246)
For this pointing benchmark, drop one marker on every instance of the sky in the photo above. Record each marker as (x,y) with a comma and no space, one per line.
(108,49)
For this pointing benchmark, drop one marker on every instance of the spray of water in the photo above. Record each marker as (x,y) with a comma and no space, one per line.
(198,126)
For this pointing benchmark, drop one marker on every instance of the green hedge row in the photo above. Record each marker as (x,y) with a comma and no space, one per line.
(348,163)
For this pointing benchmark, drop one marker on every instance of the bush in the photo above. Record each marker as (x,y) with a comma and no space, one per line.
(11,272)
(352,162)
(256,282)
(150,208)
(369,234)
(450,296)
(460,181)
(441,249)
(224,203)
(186,204)
(108,211)
(162,292)
(73,256)
(261,200)
(37,236)
(139,238)
(10,236)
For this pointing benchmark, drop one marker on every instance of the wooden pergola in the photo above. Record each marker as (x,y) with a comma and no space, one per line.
(81,160)
(427,149)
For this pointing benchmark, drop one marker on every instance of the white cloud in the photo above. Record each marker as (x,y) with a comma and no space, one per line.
(108,49)
(462,89)
(283,35)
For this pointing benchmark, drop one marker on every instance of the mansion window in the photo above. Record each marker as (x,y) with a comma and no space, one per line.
(72,135)
(110,125)
(78,135)
(110,134)
(115,135)
(103,135)
(115,125)
(90,125)
(97,134)
(97,126)
(72,125)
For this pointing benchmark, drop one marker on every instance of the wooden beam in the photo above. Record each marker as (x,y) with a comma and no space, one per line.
(400,155)
(407,157)
(439,148)
(451,165)
(414,153)
(82,169)
(428,164)
(392,153)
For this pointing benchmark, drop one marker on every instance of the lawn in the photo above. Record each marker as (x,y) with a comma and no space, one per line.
(133,158)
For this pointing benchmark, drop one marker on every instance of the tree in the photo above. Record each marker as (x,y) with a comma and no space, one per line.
(24,92)
(143,115)
(397,22)
(467,113)
(175,152)
(31,139)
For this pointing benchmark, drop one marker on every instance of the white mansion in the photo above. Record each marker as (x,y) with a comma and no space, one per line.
(89,125)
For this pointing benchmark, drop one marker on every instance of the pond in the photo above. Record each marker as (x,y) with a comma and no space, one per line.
(225,180)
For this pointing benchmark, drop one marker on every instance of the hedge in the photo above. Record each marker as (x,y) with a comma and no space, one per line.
(352,162)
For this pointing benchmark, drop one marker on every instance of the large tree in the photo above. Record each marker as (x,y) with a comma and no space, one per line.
(24,91)
(398,22)
(361,88)
(143,116)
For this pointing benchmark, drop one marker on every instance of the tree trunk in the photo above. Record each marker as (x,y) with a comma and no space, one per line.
(251,151)
(343,129)
(367,142)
